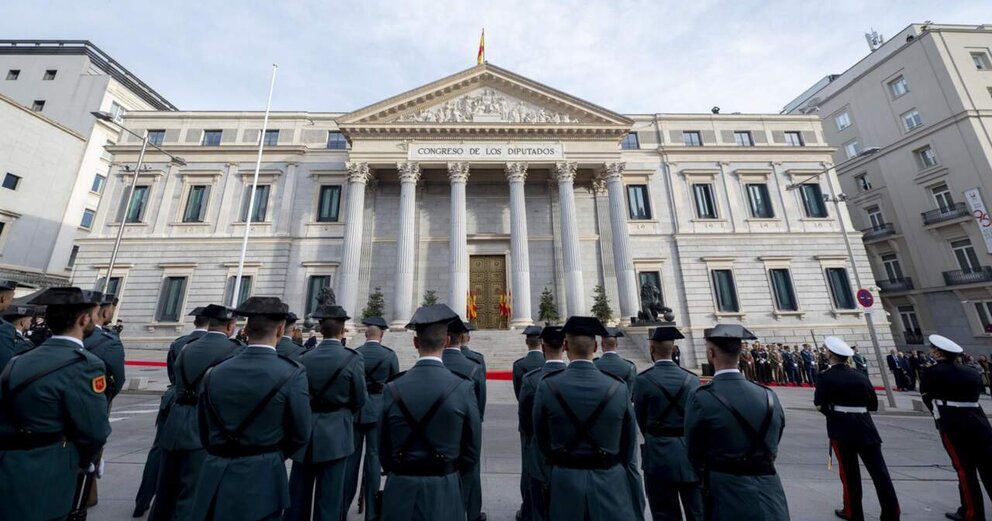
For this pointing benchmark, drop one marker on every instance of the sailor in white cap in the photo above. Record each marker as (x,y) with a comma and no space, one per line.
(845,397)
(951,390)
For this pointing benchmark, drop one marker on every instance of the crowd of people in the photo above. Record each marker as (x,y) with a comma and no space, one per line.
(790,365)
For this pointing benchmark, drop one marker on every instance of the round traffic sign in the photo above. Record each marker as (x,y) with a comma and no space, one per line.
(865,298)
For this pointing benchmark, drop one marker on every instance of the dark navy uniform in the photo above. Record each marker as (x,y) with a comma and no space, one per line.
(845,397)
(535,466)
(108,348)
(183,452)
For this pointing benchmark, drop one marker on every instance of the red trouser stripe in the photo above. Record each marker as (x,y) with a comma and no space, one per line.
(969,504)
(843,479)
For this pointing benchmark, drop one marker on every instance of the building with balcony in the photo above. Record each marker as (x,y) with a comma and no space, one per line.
(924,98)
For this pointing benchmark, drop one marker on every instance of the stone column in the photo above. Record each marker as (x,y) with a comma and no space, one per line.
(409,174)
(516,174)
(623,263)
(347,283)
(458,241)
(574,288)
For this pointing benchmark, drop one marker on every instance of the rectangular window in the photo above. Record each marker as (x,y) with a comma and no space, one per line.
(196,204)
(692,138)
(38,105)
(794,139)
(87,220)
(170,300)
(637,202)
(705,203)
(925,157)
(49,75)
(980,59)
(99,181)
(942,197)
(911,120)
(842,120)
(910,324)
(875,217)
(863,181)
(106,154)
(743,138)
(898,87)
(10,181)
(156,137)
(852,149)
(336,141)
(314,287)
(813,203)
(72,257)
(840,288)
(136,210)
(260,206)
(984,310)
(13,74)
(329,204)
(117,111)
(242,295)
(759,201)
(964,252)
(785,294)
(724,291)
(630,142)
(271,138)
(113,287)
(211,138)
(893,270)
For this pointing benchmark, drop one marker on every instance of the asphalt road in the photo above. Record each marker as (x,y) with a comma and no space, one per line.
(921,470)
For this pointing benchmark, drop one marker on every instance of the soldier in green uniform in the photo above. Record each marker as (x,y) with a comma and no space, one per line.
(584,424)
(286,346)
(182,450)
(381,363)
(732,431)
(7,334)
(199,329)
(535,465)
(454,358)
(337,391)
(107,347)
(534,359)
(430,429)
(254,409)
(54,418)
(660,394)
(20,318)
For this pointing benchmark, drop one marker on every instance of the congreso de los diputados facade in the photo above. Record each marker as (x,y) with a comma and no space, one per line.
(486,187)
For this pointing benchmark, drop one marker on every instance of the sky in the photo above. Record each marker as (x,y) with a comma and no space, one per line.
(337,56)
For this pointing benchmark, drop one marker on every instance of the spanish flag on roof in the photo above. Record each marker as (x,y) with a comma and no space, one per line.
(482,48)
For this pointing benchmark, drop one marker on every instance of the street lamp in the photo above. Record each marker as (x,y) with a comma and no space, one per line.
(836,199)
(109,118)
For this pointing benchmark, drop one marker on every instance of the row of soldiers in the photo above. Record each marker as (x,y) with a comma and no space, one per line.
(790,365)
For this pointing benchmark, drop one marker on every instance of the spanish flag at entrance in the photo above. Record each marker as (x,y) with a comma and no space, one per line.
(505,307)
(482,48)
(471,310)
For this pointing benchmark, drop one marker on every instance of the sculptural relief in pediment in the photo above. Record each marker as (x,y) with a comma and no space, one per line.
(487,105)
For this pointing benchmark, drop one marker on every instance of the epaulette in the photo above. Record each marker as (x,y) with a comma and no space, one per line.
(290,360)
(595,359)
(688,371)
(646,370)
(387,348)
(463,376)
(532,371)
(555,373)
(615,377)
(352,351)
(395,376)
(107,334)
(706,385)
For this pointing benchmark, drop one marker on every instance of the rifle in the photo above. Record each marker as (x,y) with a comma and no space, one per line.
(81,496)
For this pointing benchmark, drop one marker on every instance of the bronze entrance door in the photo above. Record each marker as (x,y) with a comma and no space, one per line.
(487,281)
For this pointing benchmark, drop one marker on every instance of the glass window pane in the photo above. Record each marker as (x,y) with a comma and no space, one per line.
(637,202)
(726,294)
(759,201)
(785,297)
(813,200)
(705,207)
(170,301)
(271,137)
(242,295)
(139,199)
(329,204)
(840,288)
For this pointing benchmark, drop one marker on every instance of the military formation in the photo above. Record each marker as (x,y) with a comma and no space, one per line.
(598,439)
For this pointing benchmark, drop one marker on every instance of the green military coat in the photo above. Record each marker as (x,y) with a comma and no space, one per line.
(108,348)
(664,456)
(286,347)
(381,363)
(22,344)
(534,359)
(8,339)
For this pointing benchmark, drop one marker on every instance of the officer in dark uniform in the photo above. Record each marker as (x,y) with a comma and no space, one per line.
(254,410)
(149,474)
(381,363)
(845,397)
(20,318)
(534,359)
(182,449)
(54,418)
(454,358)
(584,424)
(790,366)
(7,334)
(286,346)
(430,429)
(732,431)
(474,356)
(107,347)
(337,391)
(535,465)
(951,391)
(611,361)
(660,394)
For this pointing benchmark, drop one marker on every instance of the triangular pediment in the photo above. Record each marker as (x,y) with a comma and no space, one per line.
(484,96)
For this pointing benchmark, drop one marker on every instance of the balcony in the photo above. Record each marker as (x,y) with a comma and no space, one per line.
(898,284)
(913,337)
(969,276)
(940,215)
(878,232)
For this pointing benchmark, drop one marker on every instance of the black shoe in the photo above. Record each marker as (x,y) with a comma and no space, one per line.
(955,516)
(840,513)
(138,512)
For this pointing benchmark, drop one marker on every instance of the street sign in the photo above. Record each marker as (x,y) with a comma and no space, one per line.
(865,298)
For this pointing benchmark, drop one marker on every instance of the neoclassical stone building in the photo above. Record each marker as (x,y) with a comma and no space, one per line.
(485,183)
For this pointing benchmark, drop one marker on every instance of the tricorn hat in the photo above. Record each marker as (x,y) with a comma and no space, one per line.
(615,332)
(6,284)
(729,331)
(432,314)
(553,335)
(291,317)
(584,326)
(837,346)
(325,312)
(458,326)
(109,299)
(945,344)
(532,330)
(197,311)
(217,312)
(666,333)
(378,322)
(270,307)
(66,296)
(14,312)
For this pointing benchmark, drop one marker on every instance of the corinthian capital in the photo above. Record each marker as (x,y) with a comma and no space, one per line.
(409,172)
(614,171)
(458,172)
(565,172)
(516,172)
(358,172)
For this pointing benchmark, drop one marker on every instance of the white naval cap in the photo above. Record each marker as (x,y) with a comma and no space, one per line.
(838,346)
(945,344)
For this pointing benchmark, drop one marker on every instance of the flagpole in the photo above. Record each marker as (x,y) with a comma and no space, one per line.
(236,294)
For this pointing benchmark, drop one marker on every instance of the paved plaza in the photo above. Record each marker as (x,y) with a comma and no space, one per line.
(919,466)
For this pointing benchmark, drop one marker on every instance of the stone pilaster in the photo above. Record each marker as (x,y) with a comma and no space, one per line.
(516,174)
(409,174)
(458,241)
(347,283)
(622,261)
(574,287)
